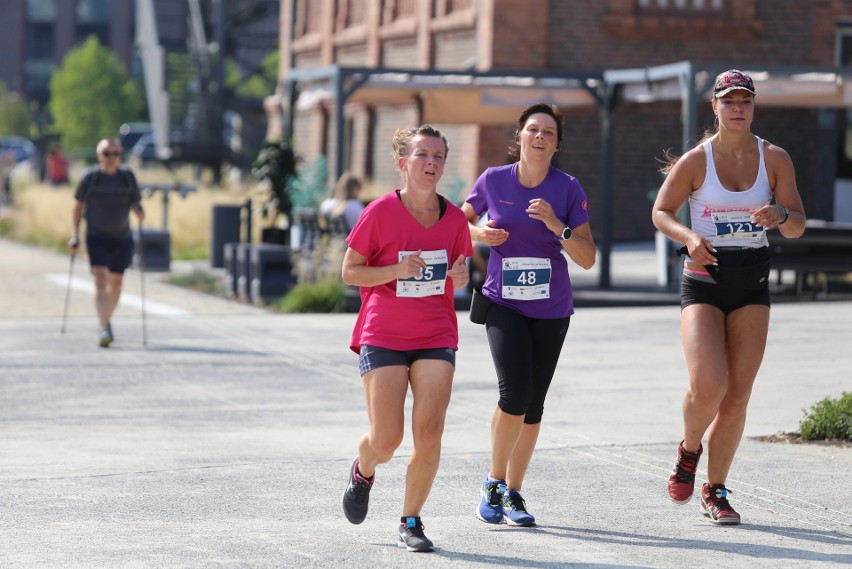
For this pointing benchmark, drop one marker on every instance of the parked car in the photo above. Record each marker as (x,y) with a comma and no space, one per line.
(130,132)
(22,148)
(19,162)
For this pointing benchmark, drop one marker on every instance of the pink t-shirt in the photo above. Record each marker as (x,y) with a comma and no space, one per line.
(398,322)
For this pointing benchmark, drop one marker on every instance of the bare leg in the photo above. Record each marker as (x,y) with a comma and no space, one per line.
(747,329)
(384,390)
(107,293)
(115,282)
(505,433)
(431,386)
(703,335)
(521,456)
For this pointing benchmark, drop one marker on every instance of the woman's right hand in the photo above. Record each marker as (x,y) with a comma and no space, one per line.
(411,266)
(700,250)
(492,236)
(73,244)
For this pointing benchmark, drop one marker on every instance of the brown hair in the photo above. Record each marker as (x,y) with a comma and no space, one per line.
(543,108)
(669,159)
(403,137)
(344,190)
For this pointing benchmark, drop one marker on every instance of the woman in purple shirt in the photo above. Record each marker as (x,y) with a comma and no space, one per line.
(536,213)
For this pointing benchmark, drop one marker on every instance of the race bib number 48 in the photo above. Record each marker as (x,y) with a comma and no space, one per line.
(736,225)
(432,278)
(526,278)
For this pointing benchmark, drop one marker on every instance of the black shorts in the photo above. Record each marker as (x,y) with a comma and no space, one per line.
(725,298)
(373,357)
(113,253)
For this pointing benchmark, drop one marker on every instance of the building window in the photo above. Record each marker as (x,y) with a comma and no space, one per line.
(724,20)
(398,10)
(680,4)
(843,58)
(94,11)
(447,7)
(307,17)
(41,11)
(350,13)
(38,65)
(93,17)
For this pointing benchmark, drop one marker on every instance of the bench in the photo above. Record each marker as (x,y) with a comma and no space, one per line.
(825,248)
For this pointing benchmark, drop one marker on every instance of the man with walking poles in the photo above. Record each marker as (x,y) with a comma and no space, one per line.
(105,196)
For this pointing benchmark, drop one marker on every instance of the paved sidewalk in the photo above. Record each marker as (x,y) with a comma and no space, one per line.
(225,442)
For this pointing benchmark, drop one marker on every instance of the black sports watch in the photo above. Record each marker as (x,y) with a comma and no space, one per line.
(566,234)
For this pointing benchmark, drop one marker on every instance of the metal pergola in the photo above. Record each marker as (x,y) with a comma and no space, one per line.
(498,97)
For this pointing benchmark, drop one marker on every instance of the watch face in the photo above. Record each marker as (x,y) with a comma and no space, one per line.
(566,233)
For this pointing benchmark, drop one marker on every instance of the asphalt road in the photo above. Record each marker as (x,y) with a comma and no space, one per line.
(225,441)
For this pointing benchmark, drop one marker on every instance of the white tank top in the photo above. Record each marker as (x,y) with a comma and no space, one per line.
(722,216)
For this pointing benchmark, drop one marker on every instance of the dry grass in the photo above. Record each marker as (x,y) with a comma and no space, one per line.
(41,214)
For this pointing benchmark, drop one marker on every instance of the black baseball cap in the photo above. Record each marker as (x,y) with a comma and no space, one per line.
(732,80)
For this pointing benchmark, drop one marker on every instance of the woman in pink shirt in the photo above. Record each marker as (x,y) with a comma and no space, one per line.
(407,253)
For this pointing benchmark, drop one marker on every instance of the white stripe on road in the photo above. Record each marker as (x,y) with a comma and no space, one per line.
(127,299)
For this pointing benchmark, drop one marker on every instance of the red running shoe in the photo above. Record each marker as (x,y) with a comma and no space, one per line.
(681,483)
(714,504)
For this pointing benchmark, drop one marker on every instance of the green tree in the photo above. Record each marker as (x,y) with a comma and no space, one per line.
(15,117)
(91,96)
(256,85)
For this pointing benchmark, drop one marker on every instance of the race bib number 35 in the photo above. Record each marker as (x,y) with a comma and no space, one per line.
(526,278)
(431,280)
(736,225)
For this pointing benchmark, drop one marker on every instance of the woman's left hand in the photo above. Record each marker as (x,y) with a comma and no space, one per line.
(459,273)
(767,217)
(543,211)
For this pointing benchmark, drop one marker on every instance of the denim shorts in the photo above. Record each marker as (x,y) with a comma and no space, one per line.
(113,253)
(372,357)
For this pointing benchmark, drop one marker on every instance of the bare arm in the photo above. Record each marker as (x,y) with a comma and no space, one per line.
(356,272)
(490,235)
(139,211)
(782,179)
(686,176)
(580,247)
(76,216)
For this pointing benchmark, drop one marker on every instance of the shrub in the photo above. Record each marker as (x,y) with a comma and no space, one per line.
(829,419)
(199,281)
(322,296)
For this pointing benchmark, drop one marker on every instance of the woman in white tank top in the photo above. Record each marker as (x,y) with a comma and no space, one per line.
(738,187)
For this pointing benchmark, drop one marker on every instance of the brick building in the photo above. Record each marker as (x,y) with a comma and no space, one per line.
(566,37)
(35,35)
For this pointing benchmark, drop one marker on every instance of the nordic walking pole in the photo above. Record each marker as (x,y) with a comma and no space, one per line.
(68,288)
(142,282)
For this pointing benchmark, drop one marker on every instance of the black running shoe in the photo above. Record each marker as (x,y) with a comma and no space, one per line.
(411,536)
(356,498)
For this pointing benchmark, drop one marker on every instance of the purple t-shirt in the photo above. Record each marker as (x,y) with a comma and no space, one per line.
(499,192)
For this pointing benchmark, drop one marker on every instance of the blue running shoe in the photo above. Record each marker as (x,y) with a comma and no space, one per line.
(515,510)
(490,508)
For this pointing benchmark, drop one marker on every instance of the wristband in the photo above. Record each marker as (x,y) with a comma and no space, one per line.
(784,215)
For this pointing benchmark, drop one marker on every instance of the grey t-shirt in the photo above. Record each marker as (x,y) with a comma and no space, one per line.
(108,198)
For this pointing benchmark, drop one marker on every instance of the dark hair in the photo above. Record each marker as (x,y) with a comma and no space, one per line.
(537,108)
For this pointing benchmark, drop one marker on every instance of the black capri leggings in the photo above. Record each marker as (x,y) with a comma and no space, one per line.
(525,352)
